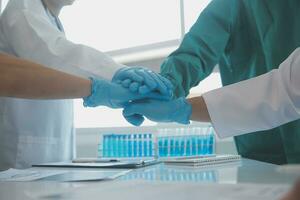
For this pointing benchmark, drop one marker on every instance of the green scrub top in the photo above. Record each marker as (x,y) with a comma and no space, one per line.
(246,38)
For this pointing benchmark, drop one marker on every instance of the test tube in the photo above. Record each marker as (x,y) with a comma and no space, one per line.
(171,147)
(182,145)
(166,146)
(193,138)
(177,149)
(134,145)
(145,145)
(211,142)
(205,142)
(129,141)
(150,147)
(140,141)
(125,145)
(160,147)
(109,146)
(188,146)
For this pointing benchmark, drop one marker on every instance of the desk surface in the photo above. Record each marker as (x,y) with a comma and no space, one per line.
(245,171)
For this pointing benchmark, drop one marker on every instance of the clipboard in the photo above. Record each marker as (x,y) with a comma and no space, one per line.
(101,163)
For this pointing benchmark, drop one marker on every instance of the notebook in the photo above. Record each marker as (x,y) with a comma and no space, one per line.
(203,160)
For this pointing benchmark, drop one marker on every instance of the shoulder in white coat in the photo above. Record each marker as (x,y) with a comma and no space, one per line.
(27,32)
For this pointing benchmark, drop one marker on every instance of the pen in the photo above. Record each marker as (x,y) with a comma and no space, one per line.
(94,160)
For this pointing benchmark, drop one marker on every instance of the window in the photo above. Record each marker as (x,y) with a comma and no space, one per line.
(3,4)
(114,24)
(122,27)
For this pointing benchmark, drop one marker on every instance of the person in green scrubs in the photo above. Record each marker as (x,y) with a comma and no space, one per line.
(245,38)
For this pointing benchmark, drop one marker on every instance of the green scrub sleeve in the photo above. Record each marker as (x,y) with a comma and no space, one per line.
(202,47)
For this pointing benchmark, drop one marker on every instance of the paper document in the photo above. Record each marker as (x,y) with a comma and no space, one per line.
(26,175)
(59,175)
(137,190)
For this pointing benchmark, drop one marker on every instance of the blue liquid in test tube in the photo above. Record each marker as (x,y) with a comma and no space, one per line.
(146,141)
(199,144)
(160,147)
(205,146)
(113,145)
(125,146)
(117,154)
(108,146)
(140,141)
(177,149)
(211,143)
(166,145)
(193,144)
(181,149)
(122,145)
(150,147)
(188,147)
(129,138)
(135,145)
(172,146)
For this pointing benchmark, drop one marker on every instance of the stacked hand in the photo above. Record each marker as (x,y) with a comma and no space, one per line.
(178,110)
(142,93)
(127,85)
(143,81)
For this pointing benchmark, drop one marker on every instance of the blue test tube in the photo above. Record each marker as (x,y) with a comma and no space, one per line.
(177,149)
(150,147)
(122,145)
(188,146)
(205,144)
(199,145)
(125,146)
(140,141)
(118,142)
(211,143)
(171,147)
(166,145)
(134,145)
(113,147)
(145,145)
(129,138)
(160,147)
(109,148)
(181,148)
(116,138)
(105,146)
(194,143)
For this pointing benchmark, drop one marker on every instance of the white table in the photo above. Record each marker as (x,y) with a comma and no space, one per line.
(245,171)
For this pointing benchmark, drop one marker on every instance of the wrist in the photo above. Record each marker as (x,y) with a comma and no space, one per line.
(183,111)
(97,95)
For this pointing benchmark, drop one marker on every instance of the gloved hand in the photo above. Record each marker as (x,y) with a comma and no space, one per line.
(143,81)
(105,93)
(178,110)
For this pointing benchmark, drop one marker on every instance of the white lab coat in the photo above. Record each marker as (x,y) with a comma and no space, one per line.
(33,131)
(257,104)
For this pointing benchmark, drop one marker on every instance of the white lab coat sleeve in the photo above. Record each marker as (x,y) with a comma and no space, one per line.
(260,103)
(35,38)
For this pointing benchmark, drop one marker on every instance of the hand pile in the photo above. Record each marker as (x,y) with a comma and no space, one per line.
(141,93)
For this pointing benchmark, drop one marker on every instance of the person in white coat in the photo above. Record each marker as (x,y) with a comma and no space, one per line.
(260,103)
(33,131)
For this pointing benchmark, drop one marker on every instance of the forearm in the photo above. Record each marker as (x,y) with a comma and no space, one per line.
(199,109)
(24,79)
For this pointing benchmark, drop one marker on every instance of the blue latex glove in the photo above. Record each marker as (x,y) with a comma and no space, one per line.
(178,110)
(143,81)
(105,93)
